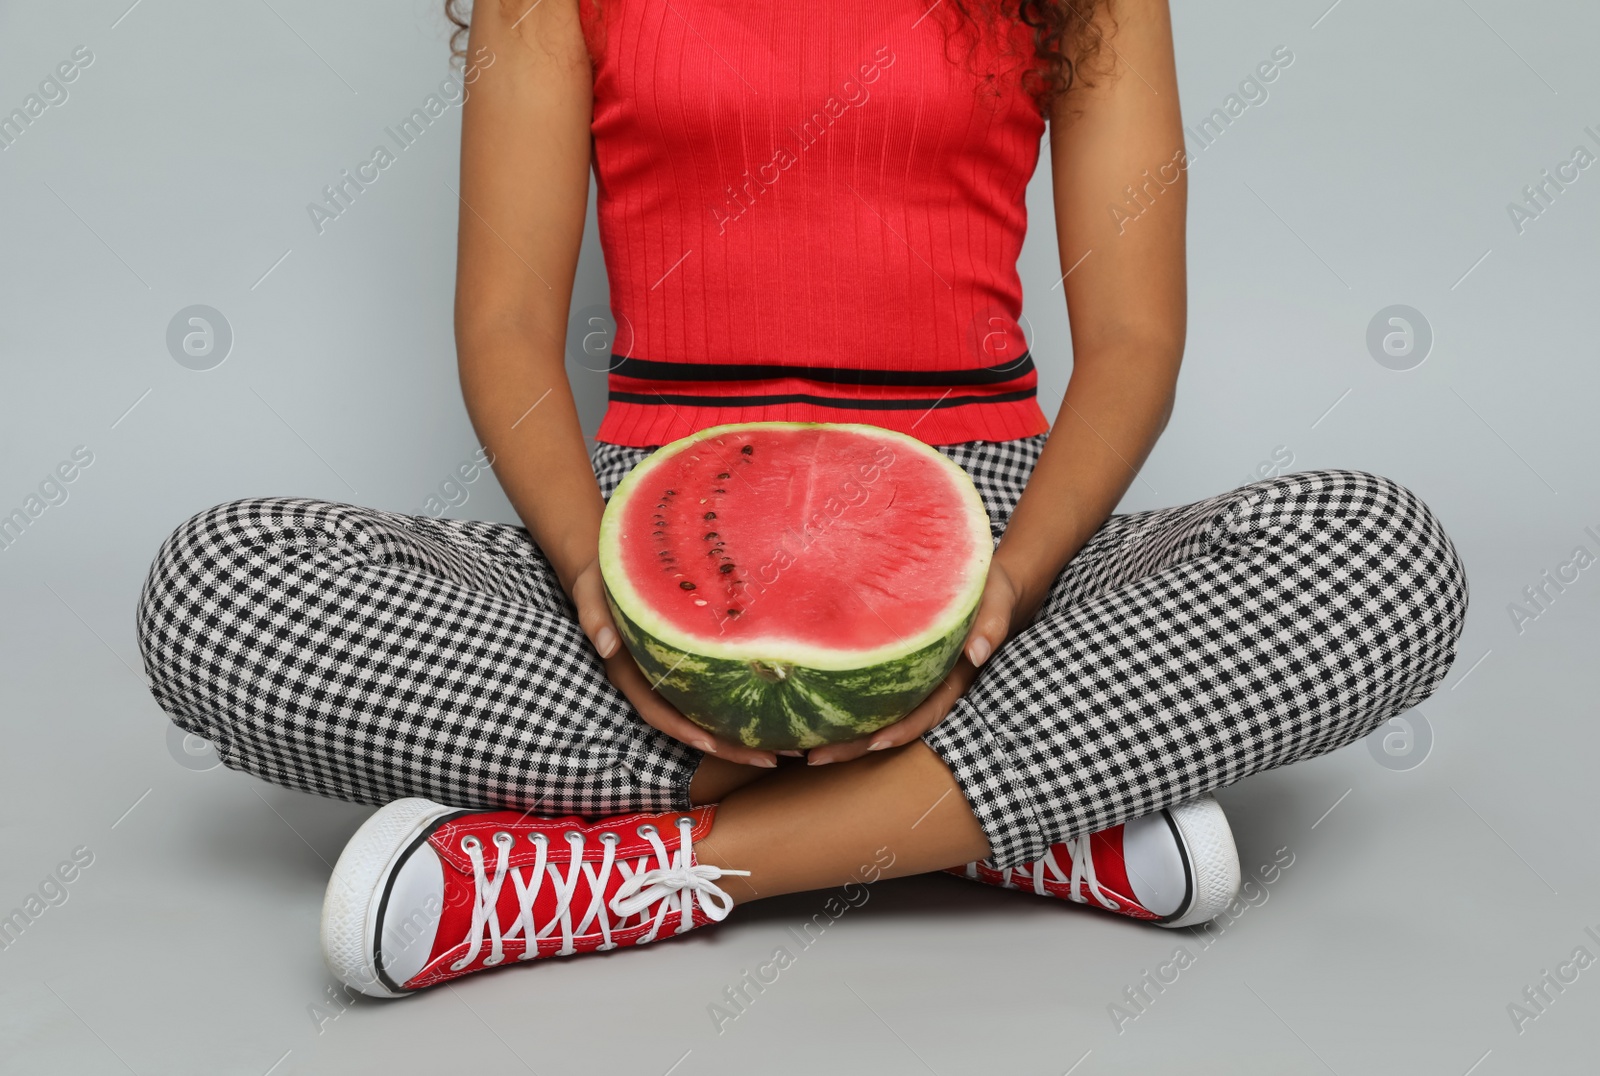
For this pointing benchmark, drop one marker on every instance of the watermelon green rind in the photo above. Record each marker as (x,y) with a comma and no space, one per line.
(790,707)
(784,694)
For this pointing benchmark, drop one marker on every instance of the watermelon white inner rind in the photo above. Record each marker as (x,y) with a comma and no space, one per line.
(810,502)
(790,584)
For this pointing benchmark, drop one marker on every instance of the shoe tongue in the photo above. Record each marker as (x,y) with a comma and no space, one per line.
(559,880)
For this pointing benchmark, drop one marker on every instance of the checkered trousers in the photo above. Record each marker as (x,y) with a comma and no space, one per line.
(370,655)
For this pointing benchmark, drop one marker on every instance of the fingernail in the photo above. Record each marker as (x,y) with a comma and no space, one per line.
(878,745)
(814,761)
(769,763)
(705,745)
(978,652)
(793,754)
(606,642)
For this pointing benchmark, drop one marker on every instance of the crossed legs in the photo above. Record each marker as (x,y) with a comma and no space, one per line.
(372,656)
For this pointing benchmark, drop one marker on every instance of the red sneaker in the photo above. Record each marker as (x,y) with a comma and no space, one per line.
(425,893)
(1175,868)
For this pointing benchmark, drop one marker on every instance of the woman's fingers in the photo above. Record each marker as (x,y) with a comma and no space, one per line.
(988,632)
(990,629)
(594,616)
(993,623)
(660,714)
(928,713)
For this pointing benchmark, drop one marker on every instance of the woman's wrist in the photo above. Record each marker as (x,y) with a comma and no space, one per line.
(1031,570)
(570,552)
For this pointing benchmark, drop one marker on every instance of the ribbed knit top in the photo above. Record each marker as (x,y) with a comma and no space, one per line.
(811,210)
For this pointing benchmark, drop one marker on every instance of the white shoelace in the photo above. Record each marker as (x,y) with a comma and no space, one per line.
(1082,879)
(675,883)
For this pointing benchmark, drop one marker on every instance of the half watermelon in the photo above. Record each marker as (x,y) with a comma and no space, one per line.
(791,584)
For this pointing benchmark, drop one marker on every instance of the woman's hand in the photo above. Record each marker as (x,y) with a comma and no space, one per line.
(998,611)
(594,615)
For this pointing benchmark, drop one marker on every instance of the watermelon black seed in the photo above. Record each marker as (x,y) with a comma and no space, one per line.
(709,515)
(748,449)
(724,474)
(735,611)
(719,491)
(669,493)
(710,535)
(686,585)
(728,567)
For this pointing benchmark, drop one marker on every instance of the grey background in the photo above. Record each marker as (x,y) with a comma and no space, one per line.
(1378,172)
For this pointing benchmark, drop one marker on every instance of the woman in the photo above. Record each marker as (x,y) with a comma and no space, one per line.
(809,211)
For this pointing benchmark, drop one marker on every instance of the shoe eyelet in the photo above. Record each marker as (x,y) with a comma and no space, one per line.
(645,829)
(491,961)
(469,843)
(538,838)
(684,819)
(609,838)
(605,946)
(504,838)
(573,835)
(458,965)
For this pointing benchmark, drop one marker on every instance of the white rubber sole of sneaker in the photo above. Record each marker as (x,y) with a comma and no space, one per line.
(1213,859)
(355,891)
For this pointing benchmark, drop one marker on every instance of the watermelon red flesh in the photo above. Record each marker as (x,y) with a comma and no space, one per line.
(793,584)
(811,535)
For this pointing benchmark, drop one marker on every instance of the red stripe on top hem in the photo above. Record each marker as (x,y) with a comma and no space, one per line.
(640,425)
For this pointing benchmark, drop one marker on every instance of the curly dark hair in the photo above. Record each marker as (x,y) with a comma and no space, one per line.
(1067,41)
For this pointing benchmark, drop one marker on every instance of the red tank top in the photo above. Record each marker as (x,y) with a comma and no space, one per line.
(811,210)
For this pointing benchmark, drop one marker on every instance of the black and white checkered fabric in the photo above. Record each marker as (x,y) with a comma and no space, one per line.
(371,655)
(1185,648)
